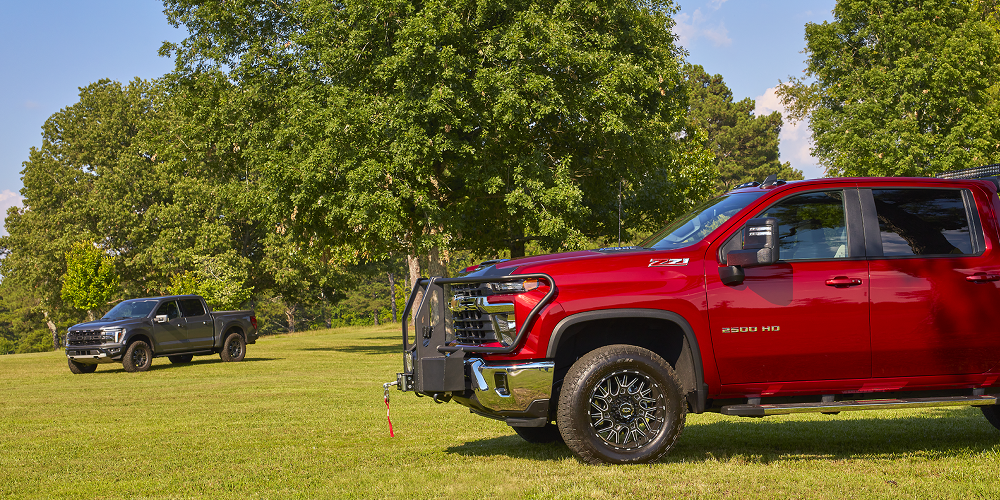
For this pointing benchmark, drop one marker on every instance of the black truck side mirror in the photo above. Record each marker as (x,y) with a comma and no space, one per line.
(760,248)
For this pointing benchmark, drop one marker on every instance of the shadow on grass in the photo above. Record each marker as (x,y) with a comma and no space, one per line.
(511,446)
(937,433)
(360,349)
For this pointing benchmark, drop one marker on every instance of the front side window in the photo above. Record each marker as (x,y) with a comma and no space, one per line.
(169,309)
(811,225)
(922,222)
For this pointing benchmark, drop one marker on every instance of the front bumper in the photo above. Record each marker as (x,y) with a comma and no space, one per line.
(95,354)
(515,392)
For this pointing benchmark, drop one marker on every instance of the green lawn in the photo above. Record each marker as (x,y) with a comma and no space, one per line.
(303,417)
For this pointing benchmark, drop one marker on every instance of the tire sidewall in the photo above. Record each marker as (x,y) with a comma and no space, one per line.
(233,337)
(127,358)
(579,385)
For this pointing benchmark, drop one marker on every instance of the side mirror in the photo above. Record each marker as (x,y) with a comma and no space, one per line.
(760,248)
(160,318)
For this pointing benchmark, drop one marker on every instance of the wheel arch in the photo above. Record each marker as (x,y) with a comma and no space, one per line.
(665,333)
(142,335)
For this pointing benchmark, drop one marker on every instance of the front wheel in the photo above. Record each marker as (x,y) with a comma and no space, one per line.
(621,404)
(234,349)
(138,357)
(79,368)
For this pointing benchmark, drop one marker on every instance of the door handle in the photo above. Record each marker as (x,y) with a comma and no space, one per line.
(982,277)
(843,282)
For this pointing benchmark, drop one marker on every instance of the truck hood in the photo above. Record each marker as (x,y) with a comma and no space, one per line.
(512,266)
(98,323)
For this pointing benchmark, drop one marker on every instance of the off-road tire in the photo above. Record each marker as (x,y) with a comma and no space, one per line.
(992,414)
(138,357)
(616,389)
(539,435)
(181,358)
(80,368)
(234,348)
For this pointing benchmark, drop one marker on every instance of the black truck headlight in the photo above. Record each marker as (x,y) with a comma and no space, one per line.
(113,334)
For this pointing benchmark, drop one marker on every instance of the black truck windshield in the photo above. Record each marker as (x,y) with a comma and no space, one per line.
(131,309)
(696,224)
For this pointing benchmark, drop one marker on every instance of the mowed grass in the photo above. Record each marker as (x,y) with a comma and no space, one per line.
(303,417)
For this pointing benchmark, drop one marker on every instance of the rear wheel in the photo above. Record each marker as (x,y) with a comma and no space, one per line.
(79,368)
(621,404)
(539,435)
(138,357)
(181,358)
(234,349)
(992,414)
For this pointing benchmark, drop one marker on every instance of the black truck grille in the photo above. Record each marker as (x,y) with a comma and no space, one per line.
(471,325)
(85,337)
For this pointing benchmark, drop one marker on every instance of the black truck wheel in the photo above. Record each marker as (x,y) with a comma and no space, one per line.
(79,368)
(181,358)
(138,357)
(992,414)
(621,404)
(539,435)
(234,348)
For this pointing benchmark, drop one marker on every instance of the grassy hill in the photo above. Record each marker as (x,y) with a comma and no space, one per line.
(303,417)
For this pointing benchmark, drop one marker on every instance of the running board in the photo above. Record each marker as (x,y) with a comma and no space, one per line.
(754,410)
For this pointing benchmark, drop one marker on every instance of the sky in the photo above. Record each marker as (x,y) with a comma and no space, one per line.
(50,48)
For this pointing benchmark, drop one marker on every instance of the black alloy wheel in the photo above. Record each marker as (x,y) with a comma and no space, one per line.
(138,357)
(234,349)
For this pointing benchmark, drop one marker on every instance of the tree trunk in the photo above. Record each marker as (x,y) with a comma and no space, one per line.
(52,328)
(438,262)
(413,264)
(516,243)
(392,296)
(290,316)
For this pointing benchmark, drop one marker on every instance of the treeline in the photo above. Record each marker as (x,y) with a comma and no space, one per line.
(311,159)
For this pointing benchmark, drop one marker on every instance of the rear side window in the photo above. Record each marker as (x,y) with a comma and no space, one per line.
(191,307)
(923,222)
(811,226)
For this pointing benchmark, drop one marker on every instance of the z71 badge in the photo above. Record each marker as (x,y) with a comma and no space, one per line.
(667,262)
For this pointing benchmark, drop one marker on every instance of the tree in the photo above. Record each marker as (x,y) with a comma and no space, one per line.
(745,146)
(400,127)
(901,88)
(90,281)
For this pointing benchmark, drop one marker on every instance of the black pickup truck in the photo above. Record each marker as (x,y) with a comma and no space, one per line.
(179,327)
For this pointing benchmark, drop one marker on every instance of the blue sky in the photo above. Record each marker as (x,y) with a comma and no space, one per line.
(50,48)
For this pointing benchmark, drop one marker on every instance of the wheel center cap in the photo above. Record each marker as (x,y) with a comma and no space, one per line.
(626,410)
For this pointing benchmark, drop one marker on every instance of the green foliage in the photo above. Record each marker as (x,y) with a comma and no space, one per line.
(392,127)
(90,282)
(901,88)
(745,146)
(219,283)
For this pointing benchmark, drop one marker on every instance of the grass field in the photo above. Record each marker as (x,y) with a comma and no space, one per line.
(303,417)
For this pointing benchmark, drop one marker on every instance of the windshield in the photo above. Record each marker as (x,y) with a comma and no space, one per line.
(700,221)
(136,308)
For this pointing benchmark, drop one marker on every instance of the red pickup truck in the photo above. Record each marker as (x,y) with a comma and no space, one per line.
(824,296)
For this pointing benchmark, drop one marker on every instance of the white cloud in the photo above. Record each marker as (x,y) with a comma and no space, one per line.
(795,139)
(689,28)
(716,4)
(8,199)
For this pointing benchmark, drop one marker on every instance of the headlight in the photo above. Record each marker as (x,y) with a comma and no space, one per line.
(113,334)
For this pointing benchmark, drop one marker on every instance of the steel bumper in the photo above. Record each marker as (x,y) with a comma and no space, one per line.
(95,355)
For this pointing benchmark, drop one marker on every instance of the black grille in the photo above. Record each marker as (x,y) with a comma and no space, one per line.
(471,326)
(85,337)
